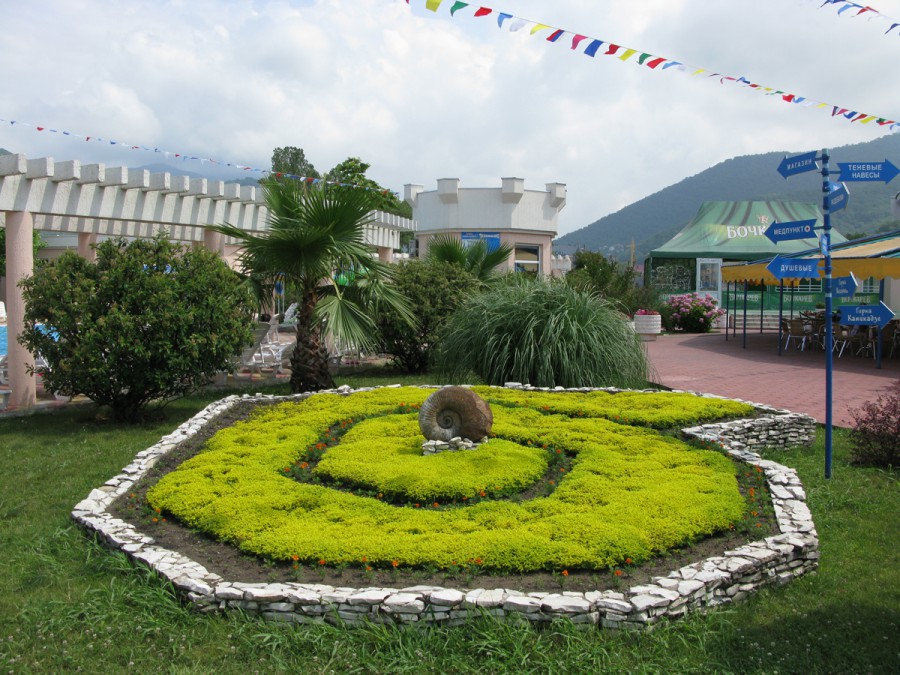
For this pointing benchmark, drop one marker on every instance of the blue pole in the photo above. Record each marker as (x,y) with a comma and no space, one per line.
(829,328)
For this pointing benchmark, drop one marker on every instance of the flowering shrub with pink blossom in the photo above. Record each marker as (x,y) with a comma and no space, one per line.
(692,313)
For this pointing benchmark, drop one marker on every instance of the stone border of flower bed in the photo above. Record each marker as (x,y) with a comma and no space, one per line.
(714,581)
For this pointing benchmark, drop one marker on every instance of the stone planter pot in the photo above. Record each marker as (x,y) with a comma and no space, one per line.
(648,326)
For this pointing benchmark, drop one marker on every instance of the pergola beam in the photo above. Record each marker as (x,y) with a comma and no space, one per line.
(93,200)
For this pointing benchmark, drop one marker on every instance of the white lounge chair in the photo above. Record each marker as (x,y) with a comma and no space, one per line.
(251,355)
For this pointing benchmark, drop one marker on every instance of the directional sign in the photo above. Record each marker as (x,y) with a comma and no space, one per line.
(844,287)
(791,166)
(798,229)
(868,171)
(838,197)
(793,268)
(866,315)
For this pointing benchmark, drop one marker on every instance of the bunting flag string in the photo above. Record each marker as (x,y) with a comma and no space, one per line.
(657,63)
(188,157)
(854,9)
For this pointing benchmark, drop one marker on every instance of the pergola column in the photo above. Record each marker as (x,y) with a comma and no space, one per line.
(214,241)
(19,264)
(86,241)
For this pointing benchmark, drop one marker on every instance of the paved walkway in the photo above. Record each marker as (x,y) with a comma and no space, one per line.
(795,380)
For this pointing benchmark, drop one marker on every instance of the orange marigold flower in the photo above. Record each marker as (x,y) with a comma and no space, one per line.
(565,573)
(552,482)
(365,559)
(483,493)
(368,568)
(156,520)
(304,465)
(618,573)
(628,561)
(752,492)
(418,505)
(322,561)
(435,505)
(477,561)
(295,557)
(395,563)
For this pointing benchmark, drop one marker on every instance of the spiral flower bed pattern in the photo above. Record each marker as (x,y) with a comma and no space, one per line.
(775,559)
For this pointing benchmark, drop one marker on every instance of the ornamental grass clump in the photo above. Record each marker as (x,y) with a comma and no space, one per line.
(544,333)
(692,313)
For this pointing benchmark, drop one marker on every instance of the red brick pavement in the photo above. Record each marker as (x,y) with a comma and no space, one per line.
(795,380)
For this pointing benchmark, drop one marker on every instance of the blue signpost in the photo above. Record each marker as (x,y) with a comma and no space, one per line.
(837,196)
(791,166)
(866,315)
(798,229)
(793,268)
(834,198)
(845,287)
(868,171)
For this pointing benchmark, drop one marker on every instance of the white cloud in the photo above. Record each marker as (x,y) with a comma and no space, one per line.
(422,96)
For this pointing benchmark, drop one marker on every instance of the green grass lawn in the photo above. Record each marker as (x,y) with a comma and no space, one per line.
(67,604)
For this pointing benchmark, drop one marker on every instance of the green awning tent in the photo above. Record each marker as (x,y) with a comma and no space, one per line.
(736,231)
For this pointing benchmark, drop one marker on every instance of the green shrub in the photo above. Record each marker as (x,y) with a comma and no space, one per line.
(148,321)
(629,492)
(875,439)
(613,280)
(435,289)
(541,332)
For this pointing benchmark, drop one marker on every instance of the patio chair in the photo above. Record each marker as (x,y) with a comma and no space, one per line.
(847,336)
(888,340)
(797,331)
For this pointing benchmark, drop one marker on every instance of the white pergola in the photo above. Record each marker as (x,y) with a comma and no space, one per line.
(93,200)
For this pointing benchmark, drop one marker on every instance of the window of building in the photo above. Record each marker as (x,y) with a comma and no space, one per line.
(870,285)
(528,259)
(808,286)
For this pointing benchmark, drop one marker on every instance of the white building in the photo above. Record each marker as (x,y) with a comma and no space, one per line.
(525,219)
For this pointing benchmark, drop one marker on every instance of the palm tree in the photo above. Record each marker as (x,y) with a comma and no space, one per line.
(316,236)
(474,258)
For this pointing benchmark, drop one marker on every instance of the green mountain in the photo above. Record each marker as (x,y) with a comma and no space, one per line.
(652,221)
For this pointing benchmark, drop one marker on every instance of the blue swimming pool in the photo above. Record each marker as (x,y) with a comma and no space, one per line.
(2,340)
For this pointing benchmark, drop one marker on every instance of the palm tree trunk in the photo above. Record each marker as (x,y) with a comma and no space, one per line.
(309,360)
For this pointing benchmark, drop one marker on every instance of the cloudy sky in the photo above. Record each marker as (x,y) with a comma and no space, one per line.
(421,95)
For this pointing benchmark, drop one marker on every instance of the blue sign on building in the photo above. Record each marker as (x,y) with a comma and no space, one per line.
(492,239)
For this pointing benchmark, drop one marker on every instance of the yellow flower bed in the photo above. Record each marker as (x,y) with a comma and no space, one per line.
(631,492)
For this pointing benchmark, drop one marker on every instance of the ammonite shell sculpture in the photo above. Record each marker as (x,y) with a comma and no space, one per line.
(455,411)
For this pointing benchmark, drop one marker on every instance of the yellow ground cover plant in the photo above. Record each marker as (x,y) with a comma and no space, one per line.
(627,492)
